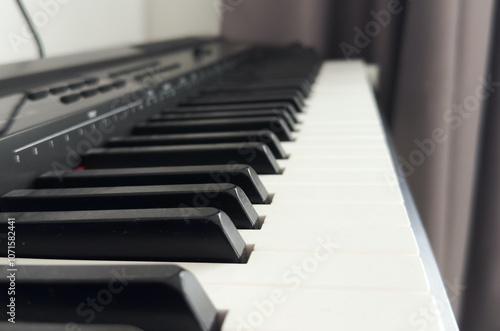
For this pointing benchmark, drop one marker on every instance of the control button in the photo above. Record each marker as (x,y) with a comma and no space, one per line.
(76,85)
(89,93)
(105,88)
(142,76)
(91,80)
(37,95)
(119,83)
(58,89)
(70,98)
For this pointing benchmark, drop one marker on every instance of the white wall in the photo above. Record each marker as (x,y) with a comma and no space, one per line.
(174,19)
(72,26)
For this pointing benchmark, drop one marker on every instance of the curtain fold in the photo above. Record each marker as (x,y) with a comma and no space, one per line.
(433,58)
(482,298)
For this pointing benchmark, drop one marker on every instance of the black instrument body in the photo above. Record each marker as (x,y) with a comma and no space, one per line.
(133,83)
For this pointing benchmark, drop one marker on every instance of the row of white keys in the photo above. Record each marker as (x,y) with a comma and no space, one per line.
(314,203)
(251,308)
(297,306)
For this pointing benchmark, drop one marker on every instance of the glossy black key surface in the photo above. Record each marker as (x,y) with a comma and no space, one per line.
(282,114)
(292,94)
(263,136)
(227,197)
(240,75)
(238,174)
(241,80)
(149,297)
(242,86)
(7,326)
(286,106)
(224,99)
(256,155)
(274,124)
(176,235)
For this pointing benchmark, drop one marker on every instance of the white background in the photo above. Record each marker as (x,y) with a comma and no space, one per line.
(72,26)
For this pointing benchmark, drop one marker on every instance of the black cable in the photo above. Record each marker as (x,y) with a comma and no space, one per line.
(12,116)
(41,52)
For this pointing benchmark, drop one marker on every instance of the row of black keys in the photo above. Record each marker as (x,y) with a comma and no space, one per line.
(230,185)
(169,197)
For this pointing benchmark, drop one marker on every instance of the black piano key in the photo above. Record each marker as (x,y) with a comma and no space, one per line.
(222,86)
(225,99)
(149,297)
(176,235)
(256,155)
(241,75)
(292,94)
(259,80)
(177,116)
(7,326)
(264,136)
(238,174)
(227,197)
(274,124)
(286,106)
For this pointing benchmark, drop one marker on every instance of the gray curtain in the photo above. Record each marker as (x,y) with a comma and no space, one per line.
(435,59)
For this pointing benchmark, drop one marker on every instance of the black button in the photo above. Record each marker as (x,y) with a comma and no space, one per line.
(91,80)
(37,95)
(58,89)
(119,83)
(76,85)
(70,98)
(89,93)
(105,88)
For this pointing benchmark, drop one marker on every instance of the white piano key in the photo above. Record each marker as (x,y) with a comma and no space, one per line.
(303,176)
(328,137)
(302,237)
(361,150)
(319,212)
(331,128)
(336,162)
(280,309)
(354,117)
(303,141)
(329,193)
(322,268)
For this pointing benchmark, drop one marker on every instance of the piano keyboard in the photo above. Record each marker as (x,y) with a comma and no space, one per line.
(275,194)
